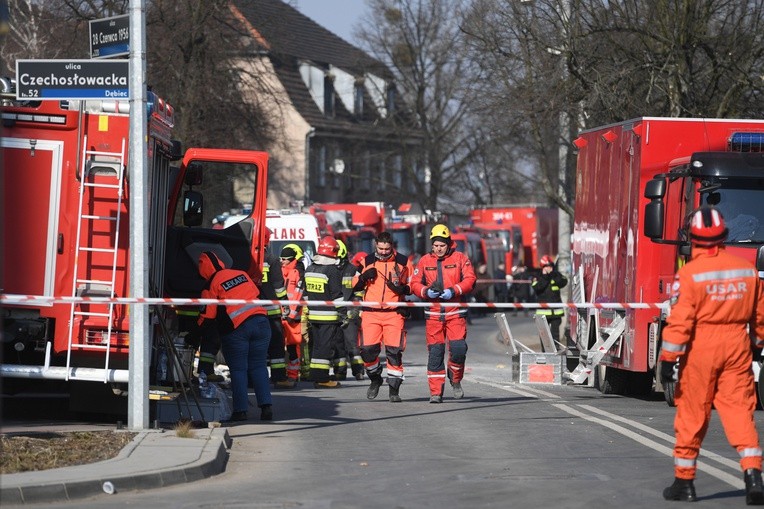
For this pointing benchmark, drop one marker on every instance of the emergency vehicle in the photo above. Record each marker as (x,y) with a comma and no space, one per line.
(65,212)
(292,227)
(538,229)
(637,181)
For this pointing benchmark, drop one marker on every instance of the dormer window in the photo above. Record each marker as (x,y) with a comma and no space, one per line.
(358,99)
(390,99)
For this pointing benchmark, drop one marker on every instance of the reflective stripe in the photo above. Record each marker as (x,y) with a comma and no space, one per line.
(750,452)
(372,367)
(723,274)
(340,363)
(397,373)
(548,312)
(180,312)
(673,347)
(442,375)
(246,307)
(685,462)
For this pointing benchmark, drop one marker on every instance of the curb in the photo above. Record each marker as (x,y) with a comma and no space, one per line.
(211,460)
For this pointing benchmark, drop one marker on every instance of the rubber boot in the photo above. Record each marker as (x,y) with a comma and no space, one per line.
(458,391)
(682,489)
(376,383)
(754,491)
(394,397)
(266,413)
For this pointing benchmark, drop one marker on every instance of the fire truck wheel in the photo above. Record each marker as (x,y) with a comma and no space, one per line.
(610,380)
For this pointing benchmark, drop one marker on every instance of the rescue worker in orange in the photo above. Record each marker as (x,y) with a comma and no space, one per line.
(352,320)
(715,297)
(272,288)
(244,330)
(444,275)
(385,278)
(323,283)
(293,272)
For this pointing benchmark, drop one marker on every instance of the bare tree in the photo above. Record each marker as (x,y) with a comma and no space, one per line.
(420,41)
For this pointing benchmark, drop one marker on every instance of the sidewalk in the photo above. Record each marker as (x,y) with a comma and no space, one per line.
(152,460)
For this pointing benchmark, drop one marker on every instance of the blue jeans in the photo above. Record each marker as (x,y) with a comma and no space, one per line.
(246,352)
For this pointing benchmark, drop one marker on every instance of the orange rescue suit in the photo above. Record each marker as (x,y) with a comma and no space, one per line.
(225,283)
(714,299)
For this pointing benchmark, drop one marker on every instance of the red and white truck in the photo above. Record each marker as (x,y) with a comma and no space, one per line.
(65,232)
(637,181)
(538,226)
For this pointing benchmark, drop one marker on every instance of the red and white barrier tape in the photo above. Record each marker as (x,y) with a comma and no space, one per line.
(11,299)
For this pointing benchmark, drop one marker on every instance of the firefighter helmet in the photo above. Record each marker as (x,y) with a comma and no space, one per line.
(328,247)
(342,250)
(291,251)
(440,231)
(707,228)
(546,261)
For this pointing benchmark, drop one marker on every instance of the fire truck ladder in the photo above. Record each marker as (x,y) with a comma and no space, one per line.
(606,338)
(94,163)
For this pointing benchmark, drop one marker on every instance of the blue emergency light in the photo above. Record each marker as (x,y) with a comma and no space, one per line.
(746,142)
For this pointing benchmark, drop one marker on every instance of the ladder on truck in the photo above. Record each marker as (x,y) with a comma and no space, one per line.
(96,163)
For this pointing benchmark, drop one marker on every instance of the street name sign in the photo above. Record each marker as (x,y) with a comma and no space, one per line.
(110,37)
(72,79)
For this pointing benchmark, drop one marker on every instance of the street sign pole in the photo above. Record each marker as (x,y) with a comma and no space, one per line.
(138,390)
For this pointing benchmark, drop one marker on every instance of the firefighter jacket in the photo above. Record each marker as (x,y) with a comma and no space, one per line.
(717,295)
(547,288)
(225,283)
(395,270)
(293,273)
(323,282)
(272,285)
(454,271)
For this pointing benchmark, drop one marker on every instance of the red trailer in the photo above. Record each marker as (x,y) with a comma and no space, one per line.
(678,164)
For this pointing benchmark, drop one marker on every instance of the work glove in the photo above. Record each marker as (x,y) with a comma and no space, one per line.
(293,320)
(368,275)
(345,323)
(432,294)
(447,294)
(669,371)
(353,313)
(398,289)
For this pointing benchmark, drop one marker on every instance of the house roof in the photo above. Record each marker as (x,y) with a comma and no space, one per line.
(289,38)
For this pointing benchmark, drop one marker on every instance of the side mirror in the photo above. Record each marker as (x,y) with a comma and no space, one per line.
(655,189)
(654,220)
(193,208)
(194,175)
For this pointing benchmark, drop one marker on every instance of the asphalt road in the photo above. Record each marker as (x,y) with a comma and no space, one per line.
(503,445)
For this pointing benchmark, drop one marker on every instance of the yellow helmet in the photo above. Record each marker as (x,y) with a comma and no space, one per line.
(292,250)
(342,252)
(440,230)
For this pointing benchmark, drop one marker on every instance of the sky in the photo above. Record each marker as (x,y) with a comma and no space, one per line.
(339,16)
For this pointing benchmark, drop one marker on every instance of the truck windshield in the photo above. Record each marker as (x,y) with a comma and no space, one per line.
(743,209)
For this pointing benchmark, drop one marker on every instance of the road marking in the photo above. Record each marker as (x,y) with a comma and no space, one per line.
(735,482)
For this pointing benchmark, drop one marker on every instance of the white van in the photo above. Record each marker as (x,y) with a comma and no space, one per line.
(290,227)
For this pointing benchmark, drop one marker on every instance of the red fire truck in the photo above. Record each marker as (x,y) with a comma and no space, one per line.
(538,227)
(367,218)
(65,210)
(638,179)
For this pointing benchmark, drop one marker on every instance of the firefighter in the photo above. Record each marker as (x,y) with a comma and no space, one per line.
(272,288)
(444,275)
(323,282)
(352,321)
(547,286)
(293,272)
(714,299)
(385,278)
(244,330)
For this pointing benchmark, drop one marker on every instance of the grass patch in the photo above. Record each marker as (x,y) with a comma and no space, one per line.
(184,429)
(43,451)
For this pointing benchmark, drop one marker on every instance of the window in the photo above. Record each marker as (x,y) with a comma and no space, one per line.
(358,100)
(329,95)
(321,169)
(397,169)
(366,172)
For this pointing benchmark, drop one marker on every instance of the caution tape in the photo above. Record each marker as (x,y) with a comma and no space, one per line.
(11,299)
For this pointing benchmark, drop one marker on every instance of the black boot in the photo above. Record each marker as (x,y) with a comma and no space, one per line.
(376,383)
(394,397)
(682,489)
(754,491)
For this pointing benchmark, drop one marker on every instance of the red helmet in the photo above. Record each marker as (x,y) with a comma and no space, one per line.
(359,258)
(707,228)
(546,261)
(328,247)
